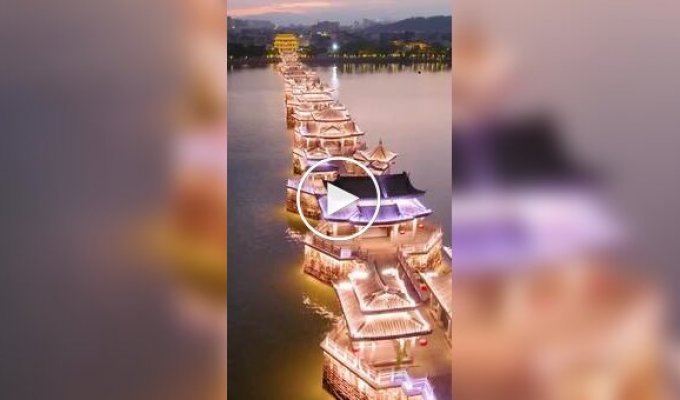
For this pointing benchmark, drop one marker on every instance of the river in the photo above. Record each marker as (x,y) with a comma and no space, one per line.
(275,312)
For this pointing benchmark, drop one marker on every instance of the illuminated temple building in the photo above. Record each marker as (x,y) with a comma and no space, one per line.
(294,74)
(286,42)
(296,77)
(380,279)
(368,354)
(394,336)
(331,129)
(316,94)
(310,93)
(400,228)
(304,112)
(379,160)
(313,188)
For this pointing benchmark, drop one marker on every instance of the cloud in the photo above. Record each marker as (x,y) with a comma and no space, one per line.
(299,7)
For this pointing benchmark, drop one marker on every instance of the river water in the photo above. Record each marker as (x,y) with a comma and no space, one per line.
(276,313)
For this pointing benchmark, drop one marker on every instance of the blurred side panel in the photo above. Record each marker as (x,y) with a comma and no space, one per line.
(105,109)
(564,185)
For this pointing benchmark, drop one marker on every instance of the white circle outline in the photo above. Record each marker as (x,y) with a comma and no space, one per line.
(304,178)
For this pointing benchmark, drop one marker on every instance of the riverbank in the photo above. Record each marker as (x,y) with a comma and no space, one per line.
(323,61)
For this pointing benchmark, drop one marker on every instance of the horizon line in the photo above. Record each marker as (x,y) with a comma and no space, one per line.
(333,20)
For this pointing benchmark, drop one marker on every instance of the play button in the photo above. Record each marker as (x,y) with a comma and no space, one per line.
(340,204)
(338,199)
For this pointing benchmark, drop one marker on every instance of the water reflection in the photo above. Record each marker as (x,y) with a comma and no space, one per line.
(372,68)
(335,82)
(278,315)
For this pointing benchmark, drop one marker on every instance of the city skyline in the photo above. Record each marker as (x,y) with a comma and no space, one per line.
(344,11)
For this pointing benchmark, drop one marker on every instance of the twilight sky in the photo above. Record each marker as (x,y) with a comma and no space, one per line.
(346,11)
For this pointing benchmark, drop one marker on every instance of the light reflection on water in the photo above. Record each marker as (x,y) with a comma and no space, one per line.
(369,68)
(273,337)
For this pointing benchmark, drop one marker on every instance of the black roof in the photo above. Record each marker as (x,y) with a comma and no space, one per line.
(514,153)
(326,167)
(387,212)
(391,186)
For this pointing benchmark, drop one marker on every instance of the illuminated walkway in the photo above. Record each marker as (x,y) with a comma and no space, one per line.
(388,345)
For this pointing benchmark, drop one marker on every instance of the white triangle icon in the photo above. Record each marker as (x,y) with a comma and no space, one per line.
(338,198)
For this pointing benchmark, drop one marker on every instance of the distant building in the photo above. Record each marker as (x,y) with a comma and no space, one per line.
(286,42)
(237,24)
(411,45)
(363,24)
(325,27)
(257,24)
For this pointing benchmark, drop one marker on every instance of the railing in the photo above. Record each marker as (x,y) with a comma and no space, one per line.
(350,361)
(419,386)
(422,247)
(411,268)
(339,251)
(448,251)
(400,378)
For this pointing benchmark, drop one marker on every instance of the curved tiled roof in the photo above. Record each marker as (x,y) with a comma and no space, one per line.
(315,97)
(379,165)
(332,114)
(403,210)
(380,326)
(389,213)
(338,106)
(391,186)
(391,327)
(331,129)
(379,155)
(374,295)
(317,152)
(305,107)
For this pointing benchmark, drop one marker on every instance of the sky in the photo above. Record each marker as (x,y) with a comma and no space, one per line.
(345,11)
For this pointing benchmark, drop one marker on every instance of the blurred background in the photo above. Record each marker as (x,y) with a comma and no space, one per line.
(114,200)
(563,192)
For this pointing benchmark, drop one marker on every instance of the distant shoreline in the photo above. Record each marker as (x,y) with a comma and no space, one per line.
(327,61)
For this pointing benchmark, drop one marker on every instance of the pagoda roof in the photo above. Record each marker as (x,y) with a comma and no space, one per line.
(379,165)
(325,167)
(332,129)
(304,106)
(391,186)
(302,90)
(379,154)
(338,106)
(317,152)
(305,110)
(315,97)
(306,188)
(332,114)
(378,326)
(390,213)
(290,72)
(315,85)
(386,213)
(295,79)
(400,210)
(382,293)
